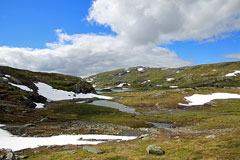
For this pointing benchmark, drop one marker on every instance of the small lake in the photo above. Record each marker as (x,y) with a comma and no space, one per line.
(115,105)
(101,91)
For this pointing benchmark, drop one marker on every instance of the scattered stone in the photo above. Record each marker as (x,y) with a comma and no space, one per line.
(44,120)
(74,152)
(10,155)
(211,136)
(157,150)
(2,157)
(211,103)
(179,140)
(23,157)
(92,150)
(144,136)
(29,125)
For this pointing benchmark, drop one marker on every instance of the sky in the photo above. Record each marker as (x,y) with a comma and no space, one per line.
(86,37)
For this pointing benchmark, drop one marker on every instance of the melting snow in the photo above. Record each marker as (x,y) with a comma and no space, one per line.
(173,86)
(201,99)
(140,69)
(170,79)
(232,74)
(57,95)
(22,87)
(39,105)
(8,76)
(18,143)
(122,84)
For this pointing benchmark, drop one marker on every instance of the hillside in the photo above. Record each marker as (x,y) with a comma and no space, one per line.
(144,78)
(191,112)
(11,79)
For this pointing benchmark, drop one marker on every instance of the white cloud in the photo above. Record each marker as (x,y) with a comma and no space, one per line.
(140,25)
(161,21)
(88,54)
(233,55)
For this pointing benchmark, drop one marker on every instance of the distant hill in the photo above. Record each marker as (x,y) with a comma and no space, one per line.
(144,78)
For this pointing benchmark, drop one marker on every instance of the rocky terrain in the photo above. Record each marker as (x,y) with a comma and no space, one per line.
(181,113)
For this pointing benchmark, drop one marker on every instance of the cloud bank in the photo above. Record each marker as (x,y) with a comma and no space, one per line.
(140,26)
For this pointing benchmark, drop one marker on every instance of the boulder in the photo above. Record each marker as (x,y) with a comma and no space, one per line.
(211,136)
(10,155)
(157,150)
(92,150)
(44,120)
(84,87)
(31,105)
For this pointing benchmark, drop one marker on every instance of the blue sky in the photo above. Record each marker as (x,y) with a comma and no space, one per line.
(31,24)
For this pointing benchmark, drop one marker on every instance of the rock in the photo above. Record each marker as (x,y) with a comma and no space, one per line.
(179,140)
(38,98)
(211,103)
(84,87)
(29,125)
(44,120)
(2,157)
(144,136)
(10,155)
(23,157)
(31,105)
(92,150)
(157,150)
(211,136)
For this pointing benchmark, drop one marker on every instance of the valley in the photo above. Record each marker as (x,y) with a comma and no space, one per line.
(191,112)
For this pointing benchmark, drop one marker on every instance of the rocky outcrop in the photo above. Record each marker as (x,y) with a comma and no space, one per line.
(83,87)
(92,150)
(157,150)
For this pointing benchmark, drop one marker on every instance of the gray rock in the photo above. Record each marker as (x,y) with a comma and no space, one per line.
(29,125)
(44,120)
(10,155)
(23,157)
(211,136)
(2,157)
(92,150)
(157,150)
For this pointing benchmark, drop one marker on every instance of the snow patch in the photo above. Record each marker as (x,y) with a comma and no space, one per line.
(146,81)
(140,69)
(22,87)
(4,78)
(90,80)
(57,95)
(18,143)
(173,86)
(122,84)
(232,74)
(170,79)
(8,76)
(201,99)
(39,105)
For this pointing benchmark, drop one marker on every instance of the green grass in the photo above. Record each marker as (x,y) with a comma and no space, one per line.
(206,75)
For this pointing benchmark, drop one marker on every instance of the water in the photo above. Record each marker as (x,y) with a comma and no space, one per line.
(99,91)
(115,105)
(164,125)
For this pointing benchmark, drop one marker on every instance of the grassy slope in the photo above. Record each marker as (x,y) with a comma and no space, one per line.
(195,76)
(58,81)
